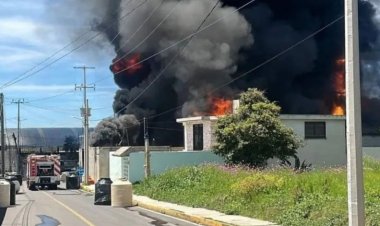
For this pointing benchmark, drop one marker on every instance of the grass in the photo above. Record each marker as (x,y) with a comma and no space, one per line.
(318,197)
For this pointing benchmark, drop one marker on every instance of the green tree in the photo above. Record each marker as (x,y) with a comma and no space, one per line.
(71,144)
(255,133)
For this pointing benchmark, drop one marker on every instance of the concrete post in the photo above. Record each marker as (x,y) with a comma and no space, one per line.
(353,109)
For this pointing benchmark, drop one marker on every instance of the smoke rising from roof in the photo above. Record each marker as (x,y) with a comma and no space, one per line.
(301,81)
(122,130)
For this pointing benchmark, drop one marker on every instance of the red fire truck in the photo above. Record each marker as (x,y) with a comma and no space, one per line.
(43,171)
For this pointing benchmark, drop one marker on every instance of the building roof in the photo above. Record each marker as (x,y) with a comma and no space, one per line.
(312,117)
(198,118)
(42,137)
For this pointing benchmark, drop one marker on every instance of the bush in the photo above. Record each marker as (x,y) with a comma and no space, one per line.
(255,133)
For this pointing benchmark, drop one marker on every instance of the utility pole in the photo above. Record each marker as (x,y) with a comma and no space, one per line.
(85,112)
(2,135)
(356,213)
(18,102)
(147,152)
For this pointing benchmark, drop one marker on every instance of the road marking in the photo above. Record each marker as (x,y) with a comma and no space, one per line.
(69,209)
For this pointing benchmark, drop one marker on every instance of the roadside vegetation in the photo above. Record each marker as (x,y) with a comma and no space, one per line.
(255,133)
(284,196)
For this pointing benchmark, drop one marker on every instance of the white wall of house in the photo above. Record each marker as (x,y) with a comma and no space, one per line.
(208,123)
(328,151)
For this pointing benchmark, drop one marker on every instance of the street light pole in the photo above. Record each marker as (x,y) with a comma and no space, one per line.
(353,124)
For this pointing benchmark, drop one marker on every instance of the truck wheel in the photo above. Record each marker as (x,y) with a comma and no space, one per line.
(32,187)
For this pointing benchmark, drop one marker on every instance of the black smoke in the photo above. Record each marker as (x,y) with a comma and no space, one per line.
(119,131)
(301,81)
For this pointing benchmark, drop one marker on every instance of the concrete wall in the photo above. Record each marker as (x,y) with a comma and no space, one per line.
(99,162)
(115,166)
(373,152)
(371,141)
(162,161)
(119,167)
(330,151)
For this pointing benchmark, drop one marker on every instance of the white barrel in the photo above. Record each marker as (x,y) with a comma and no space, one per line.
(5,194)
(121,193)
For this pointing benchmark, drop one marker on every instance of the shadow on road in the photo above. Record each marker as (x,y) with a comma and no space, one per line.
(2,215)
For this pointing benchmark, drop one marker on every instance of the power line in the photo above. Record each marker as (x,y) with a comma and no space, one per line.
(180,41)
(52,109)
(23,76)
(260,65)
(171,61)
(161,128)
(51,97)
(150,34)
(141,26)
(186,38)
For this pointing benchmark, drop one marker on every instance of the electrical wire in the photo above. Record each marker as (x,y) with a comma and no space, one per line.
(139,28)
(68,53)
(171,61)
(150,34)
(180,41)
(186,38)
(283,52)
(81,36)
(50,97)
(161,128)
(54,109)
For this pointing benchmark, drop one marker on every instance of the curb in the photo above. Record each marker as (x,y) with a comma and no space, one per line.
(171,212)
(182,215)
(202,220)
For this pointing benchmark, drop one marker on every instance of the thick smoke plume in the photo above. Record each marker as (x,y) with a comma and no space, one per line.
(301,81)
(122,130)
(208,61)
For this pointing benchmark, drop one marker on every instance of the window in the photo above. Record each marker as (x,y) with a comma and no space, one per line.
(198,137)
(315,130)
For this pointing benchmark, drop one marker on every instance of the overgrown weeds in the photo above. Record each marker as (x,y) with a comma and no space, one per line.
(317,197)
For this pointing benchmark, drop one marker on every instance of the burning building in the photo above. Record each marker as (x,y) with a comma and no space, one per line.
(163,77)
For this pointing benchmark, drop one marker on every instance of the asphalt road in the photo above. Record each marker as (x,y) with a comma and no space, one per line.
(76,208)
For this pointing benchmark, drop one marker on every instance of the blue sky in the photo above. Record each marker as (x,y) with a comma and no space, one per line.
(29,33)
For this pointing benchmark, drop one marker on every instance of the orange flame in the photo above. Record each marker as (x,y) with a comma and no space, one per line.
(221,106)
(337,110)
(129,65)
(133,64)
(338,107)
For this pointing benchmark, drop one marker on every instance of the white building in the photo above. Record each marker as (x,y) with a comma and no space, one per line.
(323,136)
(198,132)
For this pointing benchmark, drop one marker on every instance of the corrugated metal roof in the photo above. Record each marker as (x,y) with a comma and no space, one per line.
(42,137)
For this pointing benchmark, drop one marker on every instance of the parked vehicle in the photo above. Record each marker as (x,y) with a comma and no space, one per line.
(15,180)
(43,171)
(15,174)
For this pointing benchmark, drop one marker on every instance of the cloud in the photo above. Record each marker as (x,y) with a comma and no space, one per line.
(21,31)
(18,57)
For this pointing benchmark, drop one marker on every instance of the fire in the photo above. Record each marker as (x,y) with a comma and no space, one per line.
(338,107)
(131,65)
(338,110)
(221,106)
